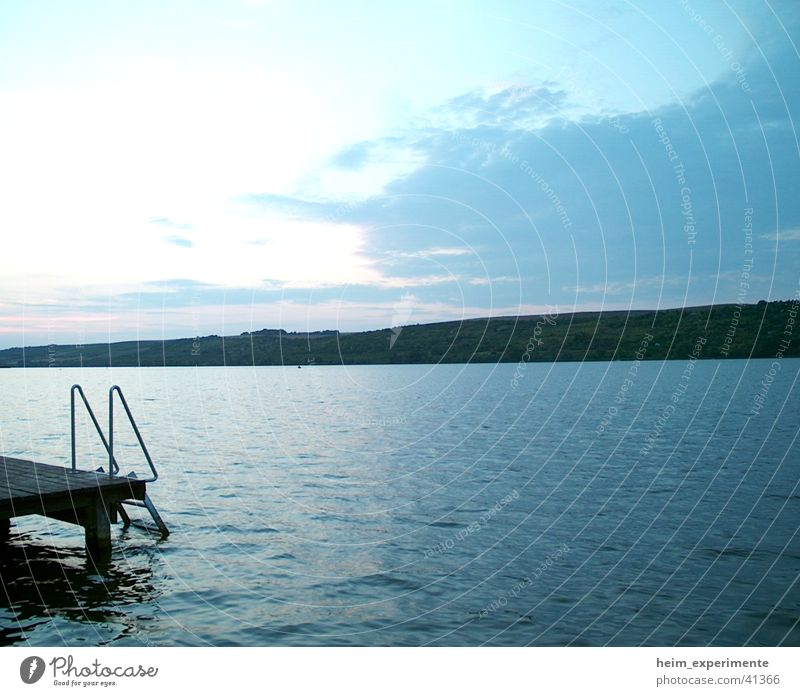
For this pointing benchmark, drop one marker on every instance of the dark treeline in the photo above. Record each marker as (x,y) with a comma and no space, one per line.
(761,330)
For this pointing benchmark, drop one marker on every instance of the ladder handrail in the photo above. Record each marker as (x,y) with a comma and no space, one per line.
(113,466)
(77,388)
(111,460)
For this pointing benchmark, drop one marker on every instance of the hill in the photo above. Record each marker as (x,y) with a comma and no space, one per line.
(724,331)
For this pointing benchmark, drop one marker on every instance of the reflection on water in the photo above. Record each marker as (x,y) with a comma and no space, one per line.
(442,505)
(54,587)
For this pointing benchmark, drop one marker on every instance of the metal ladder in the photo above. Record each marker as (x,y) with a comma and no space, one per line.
(113,466)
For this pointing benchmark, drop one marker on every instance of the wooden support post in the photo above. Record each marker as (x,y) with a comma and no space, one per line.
(5,530)
(98,530)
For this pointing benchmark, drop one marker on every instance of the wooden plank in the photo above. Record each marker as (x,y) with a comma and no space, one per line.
(31,486)
(35,469)
(16,489)
(35,476)
(42,505)
(19,465)
(16,461)
(79,497)
(122,491)
(28,464)
(53,505)
(46,472)
(28,487)
(9,493)
(41,471)
(31,479)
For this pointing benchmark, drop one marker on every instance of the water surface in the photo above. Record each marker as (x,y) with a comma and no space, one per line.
(573,504)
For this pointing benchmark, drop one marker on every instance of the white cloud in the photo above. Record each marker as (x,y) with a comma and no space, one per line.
(618,287)
(116,255)
(84,169)
(790,235)
(414,281)
(434,251)
(494,281)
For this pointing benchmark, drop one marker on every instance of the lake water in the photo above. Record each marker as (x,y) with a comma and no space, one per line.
(571,504)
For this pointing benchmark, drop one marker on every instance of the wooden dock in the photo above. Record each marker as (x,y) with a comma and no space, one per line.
(85,498)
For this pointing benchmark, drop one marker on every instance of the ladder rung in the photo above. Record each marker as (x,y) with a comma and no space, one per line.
(137,503)
(147,504)
(147,527)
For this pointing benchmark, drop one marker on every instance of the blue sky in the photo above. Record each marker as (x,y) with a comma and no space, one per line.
(184,168)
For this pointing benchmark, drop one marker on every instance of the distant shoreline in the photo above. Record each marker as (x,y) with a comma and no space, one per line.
(729,331)
(292,366)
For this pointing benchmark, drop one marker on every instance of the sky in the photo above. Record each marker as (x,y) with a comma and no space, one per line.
(180,168)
